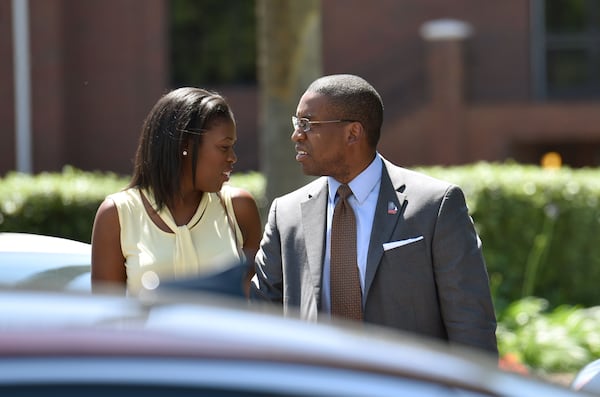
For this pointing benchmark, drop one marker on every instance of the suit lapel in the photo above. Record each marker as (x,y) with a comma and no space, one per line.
(384,221)
(314,217)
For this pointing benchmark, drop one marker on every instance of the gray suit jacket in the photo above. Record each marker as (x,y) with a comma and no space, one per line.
(435,286)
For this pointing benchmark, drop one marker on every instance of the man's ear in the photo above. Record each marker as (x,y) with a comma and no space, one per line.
(355,132)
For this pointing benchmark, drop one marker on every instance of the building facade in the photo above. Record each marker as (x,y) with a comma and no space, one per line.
(462,80)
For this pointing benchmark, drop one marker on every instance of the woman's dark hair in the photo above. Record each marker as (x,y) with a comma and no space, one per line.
(176,122)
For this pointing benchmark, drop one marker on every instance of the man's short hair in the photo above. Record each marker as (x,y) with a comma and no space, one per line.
(355,99)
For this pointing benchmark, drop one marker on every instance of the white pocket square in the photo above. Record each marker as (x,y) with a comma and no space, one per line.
(400,243)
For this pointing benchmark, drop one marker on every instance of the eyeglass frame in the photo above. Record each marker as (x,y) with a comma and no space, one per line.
(296,123)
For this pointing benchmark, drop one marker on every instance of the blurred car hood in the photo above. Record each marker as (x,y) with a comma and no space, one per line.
(203,326)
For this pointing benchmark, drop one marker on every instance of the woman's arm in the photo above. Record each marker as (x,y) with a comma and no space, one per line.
(108,263)
(248,219)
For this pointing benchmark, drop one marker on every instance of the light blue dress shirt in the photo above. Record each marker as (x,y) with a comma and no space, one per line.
(365,189)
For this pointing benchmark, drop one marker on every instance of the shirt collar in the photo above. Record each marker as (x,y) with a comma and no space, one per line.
(362,184)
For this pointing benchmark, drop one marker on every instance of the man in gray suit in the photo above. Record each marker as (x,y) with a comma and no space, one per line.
(419,257)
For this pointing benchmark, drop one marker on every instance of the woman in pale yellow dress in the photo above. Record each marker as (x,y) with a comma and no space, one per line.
(178,218)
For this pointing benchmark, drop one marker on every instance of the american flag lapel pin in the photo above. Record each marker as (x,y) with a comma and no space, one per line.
(392,209)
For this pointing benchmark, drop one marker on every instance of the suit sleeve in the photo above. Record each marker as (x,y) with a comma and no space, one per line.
(461,276)
(267,283)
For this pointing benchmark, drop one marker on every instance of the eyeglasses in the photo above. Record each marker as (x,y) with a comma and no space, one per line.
(304,124)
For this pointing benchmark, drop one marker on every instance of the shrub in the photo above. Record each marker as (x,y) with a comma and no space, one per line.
(57,204)
(562,340)
(64,204)
(538,229)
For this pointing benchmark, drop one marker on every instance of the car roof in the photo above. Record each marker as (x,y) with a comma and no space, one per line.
(31,242)
(31,260)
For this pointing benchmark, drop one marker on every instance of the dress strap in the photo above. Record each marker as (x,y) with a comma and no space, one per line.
(227,203)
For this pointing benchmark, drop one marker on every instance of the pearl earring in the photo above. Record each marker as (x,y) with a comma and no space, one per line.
(185,152)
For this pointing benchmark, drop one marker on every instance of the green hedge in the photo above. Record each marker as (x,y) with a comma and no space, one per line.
(64,204)
(57,204)
(539,228)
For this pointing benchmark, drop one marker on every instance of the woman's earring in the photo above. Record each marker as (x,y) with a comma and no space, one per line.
(185,153)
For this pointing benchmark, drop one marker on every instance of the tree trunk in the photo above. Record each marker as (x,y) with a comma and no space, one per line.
(289,59)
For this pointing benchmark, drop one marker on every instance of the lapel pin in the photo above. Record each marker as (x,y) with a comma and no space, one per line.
(392,209)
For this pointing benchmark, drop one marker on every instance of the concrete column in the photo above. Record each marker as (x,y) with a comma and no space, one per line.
(22,85)
(445,40)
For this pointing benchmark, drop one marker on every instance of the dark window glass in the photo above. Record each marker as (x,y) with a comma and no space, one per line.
(568,68)
(212,42)
(565,16)
(572,49)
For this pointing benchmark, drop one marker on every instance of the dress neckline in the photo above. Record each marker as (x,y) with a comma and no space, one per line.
(167,217)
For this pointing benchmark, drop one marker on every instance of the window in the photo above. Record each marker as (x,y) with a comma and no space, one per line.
(213,42)
(568,48)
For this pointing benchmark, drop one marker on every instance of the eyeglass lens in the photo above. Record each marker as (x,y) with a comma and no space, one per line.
(300,123)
